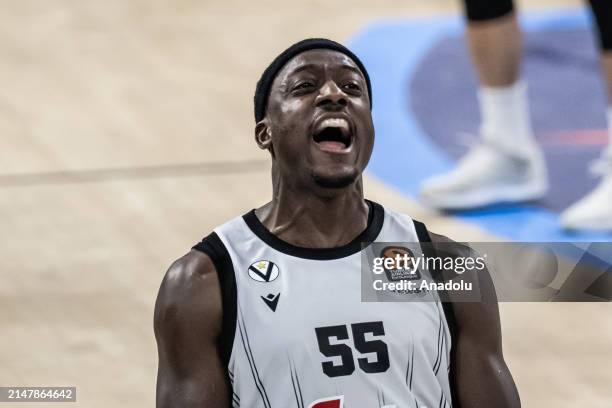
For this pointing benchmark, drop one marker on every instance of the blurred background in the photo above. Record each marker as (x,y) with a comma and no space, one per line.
(126,135)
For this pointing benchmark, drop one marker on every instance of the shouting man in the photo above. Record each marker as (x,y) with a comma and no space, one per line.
(266,311)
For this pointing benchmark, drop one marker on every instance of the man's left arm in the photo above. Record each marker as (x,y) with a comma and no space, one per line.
(481,378)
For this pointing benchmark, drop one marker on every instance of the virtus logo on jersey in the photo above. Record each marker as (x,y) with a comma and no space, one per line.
(329,402)
(263,271)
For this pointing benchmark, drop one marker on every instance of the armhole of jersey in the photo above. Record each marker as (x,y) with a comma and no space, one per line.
(214,248)
(447,306)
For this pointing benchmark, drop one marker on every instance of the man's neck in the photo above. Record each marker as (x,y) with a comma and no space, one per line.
(311,221)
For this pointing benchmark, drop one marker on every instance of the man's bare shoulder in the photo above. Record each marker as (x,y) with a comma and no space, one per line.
(190,289)
(193,266)
(483,288)
(439,238)
(449,245)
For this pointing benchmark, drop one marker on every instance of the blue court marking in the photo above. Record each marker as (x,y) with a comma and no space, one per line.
(404,155)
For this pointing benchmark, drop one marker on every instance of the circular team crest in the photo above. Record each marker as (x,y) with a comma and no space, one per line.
(402,268)
(263,271)
(394,251)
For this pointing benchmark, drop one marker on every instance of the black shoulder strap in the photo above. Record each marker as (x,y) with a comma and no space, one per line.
(214,248)
(447,306)
(421,231)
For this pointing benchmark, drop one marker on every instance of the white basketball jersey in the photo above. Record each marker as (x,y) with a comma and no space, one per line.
(296,333)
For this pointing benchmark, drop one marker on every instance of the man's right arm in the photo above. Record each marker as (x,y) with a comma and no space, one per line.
(188,316)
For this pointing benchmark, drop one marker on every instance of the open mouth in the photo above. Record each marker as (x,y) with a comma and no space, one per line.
(333,134)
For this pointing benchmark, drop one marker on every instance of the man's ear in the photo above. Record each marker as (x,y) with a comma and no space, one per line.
(263,135)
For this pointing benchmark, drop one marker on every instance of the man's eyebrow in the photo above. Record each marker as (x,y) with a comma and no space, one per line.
(306,67)
(300,68)
(352,68)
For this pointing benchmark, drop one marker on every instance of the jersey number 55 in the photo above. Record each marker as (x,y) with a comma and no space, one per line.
(345,352)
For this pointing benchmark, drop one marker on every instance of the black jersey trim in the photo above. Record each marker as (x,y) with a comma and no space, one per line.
(376,217)
(249,353)
(410,367)
(447,306)
(215,249)
(441,334)
(296,380)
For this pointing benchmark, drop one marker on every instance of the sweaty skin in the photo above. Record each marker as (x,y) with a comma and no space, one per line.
(317,203)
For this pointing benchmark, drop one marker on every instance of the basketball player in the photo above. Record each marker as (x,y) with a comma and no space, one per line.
(507,149)
(266,311)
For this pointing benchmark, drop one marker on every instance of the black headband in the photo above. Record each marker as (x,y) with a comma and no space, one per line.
(262,91)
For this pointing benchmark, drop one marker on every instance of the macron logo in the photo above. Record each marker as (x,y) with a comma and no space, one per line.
(271,300)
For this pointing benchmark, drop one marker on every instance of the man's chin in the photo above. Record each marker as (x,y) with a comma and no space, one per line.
(335,181)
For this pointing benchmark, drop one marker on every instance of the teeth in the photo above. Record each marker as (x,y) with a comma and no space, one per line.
(335,122)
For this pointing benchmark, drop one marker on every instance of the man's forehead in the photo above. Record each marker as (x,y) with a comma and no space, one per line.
(320,59)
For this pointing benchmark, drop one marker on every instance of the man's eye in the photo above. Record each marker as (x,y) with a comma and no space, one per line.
(303,85)
(352,87)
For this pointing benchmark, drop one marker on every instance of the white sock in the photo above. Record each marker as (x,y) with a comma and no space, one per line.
(505,117)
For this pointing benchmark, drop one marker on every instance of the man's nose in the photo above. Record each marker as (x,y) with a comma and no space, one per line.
(331,96)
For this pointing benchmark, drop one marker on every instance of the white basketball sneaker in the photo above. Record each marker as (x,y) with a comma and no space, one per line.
(594,211)
(486,175)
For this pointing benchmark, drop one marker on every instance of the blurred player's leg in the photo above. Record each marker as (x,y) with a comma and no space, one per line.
(506,165)
(594,211)
(496,47)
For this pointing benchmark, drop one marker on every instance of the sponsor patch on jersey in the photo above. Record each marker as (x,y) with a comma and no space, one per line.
(400,270)
(263,271)
(329,402)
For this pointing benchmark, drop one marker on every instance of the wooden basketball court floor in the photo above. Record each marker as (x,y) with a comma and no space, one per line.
(126,136)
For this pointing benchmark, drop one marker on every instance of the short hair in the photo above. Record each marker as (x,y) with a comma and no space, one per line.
(262,91)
